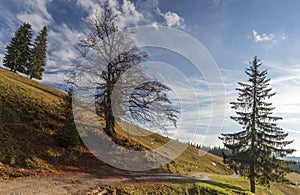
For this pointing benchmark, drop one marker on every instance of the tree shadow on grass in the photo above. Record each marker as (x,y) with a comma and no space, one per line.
(213,183)
(223,185)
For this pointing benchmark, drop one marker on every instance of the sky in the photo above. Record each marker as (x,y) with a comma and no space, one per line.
(231,31)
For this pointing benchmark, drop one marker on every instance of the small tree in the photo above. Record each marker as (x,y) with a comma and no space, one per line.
(18,51)
(257,149)
(37,63)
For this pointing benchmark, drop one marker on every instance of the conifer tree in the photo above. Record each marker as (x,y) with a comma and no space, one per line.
(257,150)
(37,63)
(18,50)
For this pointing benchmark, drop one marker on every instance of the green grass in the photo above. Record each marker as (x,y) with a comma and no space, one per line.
(219,184)
(188,162)
(170,188)
(30,115)
(238,184)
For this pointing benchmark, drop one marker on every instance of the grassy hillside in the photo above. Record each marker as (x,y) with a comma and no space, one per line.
(31,117)
(187,163)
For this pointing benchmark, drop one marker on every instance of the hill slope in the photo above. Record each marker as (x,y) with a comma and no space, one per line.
(31,117)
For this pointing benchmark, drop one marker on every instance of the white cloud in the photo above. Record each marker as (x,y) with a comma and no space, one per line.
(1,57)
(172,19)
(92,7)
(61,50)
(150,10)
(35,20)
(36,6)
(263,37)
(155,25)
(268,40)
(89,5)
(35,12)
(129,14)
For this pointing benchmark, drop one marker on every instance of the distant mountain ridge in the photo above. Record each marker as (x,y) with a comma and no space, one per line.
(292,158)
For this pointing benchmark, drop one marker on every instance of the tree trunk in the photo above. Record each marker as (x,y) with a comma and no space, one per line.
(252,182)
(109,117)
(253,131)
(252,185)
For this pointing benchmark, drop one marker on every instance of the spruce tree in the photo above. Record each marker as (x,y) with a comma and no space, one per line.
(257,150)
(37,63)
(18,50)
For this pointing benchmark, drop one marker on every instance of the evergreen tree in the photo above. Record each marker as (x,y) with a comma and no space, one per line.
(18,50)
(37,63)
(256,150)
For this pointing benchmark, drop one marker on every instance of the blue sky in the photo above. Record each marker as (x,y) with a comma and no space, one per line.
(233,31)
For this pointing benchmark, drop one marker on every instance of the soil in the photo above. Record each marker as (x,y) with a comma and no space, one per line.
(89,176)
(80,183)
(69,184)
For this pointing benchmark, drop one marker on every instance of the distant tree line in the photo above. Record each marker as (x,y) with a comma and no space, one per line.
(24,56)
(296,167)
(216,150)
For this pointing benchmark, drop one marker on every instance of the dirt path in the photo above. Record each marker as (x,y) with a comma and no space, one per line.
(76,184)
(60,185)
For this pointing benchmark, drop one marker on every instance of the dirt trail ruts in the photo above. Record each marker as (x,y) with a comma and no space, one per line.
(58,185)
(75,184)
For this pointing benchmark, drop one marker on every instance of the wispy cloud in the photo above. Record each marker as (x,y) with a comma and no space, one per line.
(268,40)
(174,20)
(35,12)
(130,14)
(262,37)
(141,12)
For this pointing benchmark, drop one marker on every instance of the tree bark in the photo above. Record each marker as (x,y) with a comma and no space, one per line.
(253,131)
(252,181)
(109,117)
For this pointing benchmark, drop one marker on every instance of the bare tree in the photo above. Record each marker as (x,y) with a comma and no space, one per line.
(108,53)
